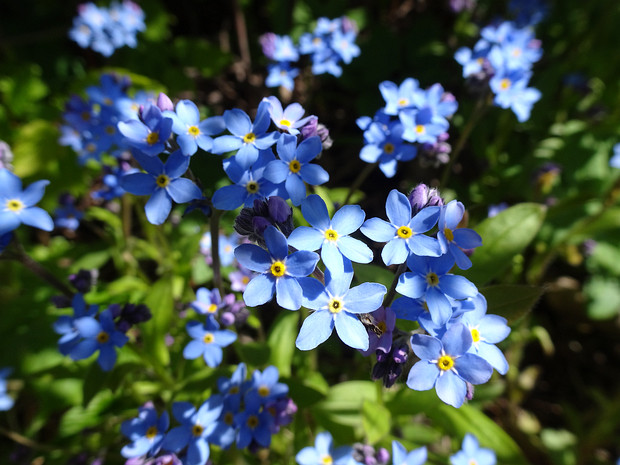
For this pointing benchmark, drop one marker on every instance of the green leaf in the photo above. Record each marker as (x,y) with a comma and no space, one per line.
(373,273)
(154,331)
(254,353)
(281,341)
(79,418)
(503,237)
(604,297)
(376,421)
(409,402)
(304,394)
(511,301)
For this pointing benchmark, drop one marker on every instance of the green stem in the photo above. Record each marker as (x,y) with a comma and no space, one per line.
(215,250)
(360,179)
(392,291)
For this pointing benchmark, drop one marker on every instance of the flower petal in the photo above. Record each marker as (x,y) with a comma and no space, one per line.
(315,330)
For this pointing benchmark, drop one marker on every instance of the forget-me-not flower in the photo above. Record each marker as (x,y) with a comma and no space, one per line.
(191,131)
(324,452)
(208,340)
(146,432)
(149,135)
(6,401)
(289,119)
(471,452)
(451,239)
(400,456)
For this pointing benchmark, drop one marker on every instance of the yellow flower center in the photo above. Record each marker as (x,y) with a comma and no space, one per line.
(249,138)
(294,166)
(208,338)
(152,138)
(517,52)
(14,205)
(193,131)
(212,308)
(335,305)
(278,269)
(252,187)
(263,391)
(85,115)
(90,147)
(472,462)
(197,430)
(285,122)
(331,235)
(110,129)
(107,101)
(245,279)
(162,180)
(449,234)
(403,101)
(404,232)
(388,148)
(420,129)
(151,432)
(504,84)
(432,279)
(233,390)
(327,460)
(445,362)
(252,421)
(229,418)
(103,337)
(475,335)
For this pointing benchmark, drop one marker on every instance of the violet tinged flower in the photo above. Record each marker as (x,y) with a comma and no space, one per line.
(199,427)
(207,302)
(6,402)
(249,184)
(163,182)
(384,144)
(208,340)
(400,455)
(486,331)
(254,424)
(313,128)
(335,305)
(403,233)
(65,325)
(279,271)
(146,432)
(149,135)
(99,335)
(429,279)
(324,452)
(252,221)
(288,119)
(294,168)
(453,240)
(365,454)
(282,411)
(247,138)
(446,366)
(332,236)
(471,452)
(17,205)
(191,131)
(67,215)
(423,196)
(239,279)
(390,364)
(132,314)
(164,103)
(380,329)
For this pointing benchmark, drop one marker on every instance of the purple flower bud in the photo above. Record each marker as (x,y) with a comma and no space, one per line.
(227,319)
(115,310)
(378,371)
(279,210)
(400,354)
(309,129)
(348,25)
(268,44)
(164,103)
(370,461)
(390,378)
(423,196)
(83,280)
(382,455)
(470,391)
(6,156)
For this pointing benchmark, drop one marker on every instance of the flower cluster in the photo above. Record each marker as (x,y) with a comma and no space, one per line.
(413,121)
(246,413)
(106,29)
(331,42)
(503,58)
(471,452)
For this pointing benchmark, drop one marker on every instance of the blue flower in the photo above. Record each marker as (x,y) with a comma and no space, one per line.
(99,335)
(486,331)
(422,125)
(384,143)
(471,452)
(207,302)
(17,205)
(343,43)
(246,138)
(235,387)
(70,336)
(446,366)
(294,167)
(265,387)
(400,456)
(281,74)
(198,428)
(6,402)
(614,162)
(284,49)
(149,135)
(146,432)
(163,182)
(254,423)
(429,279)
(337,306)
(324,452)
(331,236)
(511,91)
(451,239)
(279,271)
(288,119)
(401,97)
(403,233)
(208,341)
(191,131)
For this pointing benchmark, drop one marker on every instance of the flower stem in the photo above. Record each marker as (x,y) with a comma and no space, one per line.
(387,301)
(360,179)
(215,249)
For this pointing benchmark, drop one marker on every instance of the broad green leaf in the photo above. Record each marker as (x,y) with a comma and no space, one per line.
(303,393)
(79,418)
(409,402)
(511,301)
(281,341)
(373,273)
(376,420)
(604,297)
(503,237)
(161,305)
(253,353)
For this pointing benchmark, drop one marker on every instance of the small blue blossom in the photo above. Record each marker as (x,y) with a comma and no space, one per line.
(234,388)
(402,97)
(294,168)
(288,119)
(17,205)
(146,432)
(403,233)
(384,144)
(324,452)
(331,236)
(335,305)
(163,182)
(208,340)
(446,366)
(191,131)
(422,125)
(400,456)
(452,238)
(254,424)
(281,74)
(207,302)
(6,401)
(70,336)
(614,162)
(279,270)
(471,452)
(150,134)
(511,91)
(264,387)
